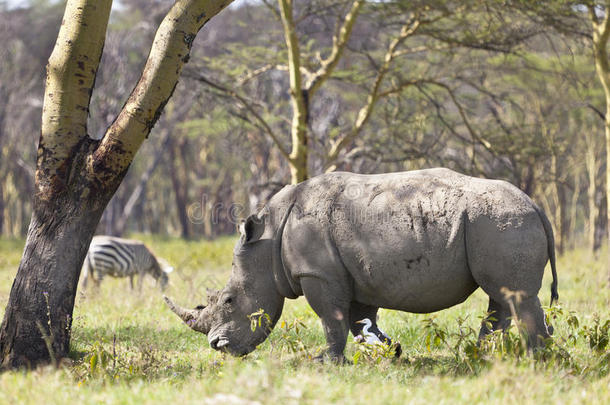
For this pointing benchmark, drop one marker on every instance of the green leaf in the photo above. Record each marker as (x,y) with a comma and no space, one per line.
(93,361)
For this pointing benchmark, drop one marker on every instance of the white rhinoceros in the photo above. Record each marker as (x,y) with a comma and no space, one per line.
(417,241)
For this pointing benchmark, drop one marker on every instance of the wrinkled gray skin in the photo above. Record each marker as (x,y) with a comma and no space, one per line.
(417,241)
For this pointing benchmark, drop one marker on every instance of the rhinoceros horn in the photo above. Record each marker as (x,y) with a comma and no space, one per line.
(192,317)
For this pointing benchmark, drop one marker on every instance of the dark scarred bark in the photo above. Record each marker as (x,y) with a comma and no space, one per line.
(42,297)
(38,318)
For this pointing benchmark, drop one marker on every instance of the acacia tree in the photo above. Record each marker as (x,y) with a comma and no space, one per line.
(76,175)
(600,20)
(340,76)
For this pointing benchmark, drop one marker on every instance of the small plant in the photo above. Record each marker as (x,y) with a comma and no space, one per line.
(597,334)
(259,319)
(510,342)
(98,362)
(374,352)
(435,335)
(289,336)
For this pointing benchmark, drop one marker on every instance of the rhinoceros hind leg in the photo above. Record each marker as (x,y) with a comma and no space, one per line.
(531,315)
(499,317)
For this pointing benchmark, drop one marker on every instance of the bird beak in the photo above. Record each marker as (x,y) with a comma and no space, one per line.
(360,321)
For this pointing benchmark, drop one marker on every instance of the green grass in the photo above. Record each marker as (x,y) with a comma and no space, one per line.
(130,348)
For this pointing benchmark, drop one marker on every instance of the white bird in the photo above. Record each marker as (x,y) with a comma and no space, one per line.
(372,337)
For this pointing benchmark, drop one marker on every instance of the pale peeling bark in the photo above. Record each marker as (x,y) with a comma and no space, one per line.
(170,51)
(601,32)
(70,78)
(298,155)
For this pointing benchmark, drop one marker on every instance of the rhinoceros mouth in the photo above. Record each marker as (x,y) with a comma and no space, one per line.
(219,342)
(222,344)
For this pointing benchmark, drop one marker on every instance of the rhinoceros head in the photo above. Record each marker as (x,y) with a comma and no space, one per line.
(227,319)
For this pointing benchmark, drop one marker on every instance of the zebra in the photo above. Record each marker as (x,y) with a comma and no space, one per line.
(118,257)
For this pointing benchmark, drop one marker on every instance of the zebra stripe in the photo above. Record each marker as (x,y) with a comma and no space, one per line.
(117,253)
(102,261)
(119,257)
(113,257)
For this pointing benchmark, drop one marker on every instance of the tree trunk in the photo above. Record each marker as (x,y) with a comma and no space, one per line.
(106,225)
(592,221)
(38,317)
(298,97)
(298,161)
(179,187)
(560,209)
(528,183)
(1,208)
(571,234)
(602,221)
(559,199)
(601,33)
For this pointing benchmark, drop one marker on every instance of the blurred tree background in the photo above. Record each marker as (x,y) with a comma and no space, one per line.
(278,91)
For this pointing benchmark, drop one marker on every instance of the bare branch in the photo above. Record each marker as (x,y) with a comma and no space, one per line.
(604,26)
(274,10)
(339,43)
(256,72)
(597,111)
(463,115)
(170,51)
(400,87)
(248,106)
(422,48)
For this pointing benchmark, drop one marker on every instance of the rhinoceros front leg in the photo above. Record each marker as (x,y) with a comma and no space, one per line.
(331,304)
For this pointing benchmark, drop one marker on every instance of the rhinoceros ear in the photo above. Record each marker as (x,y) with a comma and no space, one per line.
(252,228)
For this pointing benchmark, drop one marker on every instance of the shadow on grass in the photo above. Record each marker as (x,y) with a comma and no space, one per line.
(135,352)
(445,365)
(170,339)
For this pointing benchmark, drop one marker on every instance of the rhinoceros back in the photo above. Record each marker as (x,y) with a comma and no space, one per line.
(401,236)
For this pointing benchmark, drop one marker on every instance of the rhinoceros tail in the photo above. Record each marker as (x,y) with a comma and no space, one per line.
(548,229)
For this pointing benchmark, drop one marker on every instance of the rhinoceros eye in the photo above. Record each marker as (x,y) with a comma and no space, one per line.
(229,300)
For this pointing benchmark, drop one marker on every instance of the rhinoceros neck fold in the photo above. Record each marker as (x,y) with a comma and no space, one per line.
(283,282)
